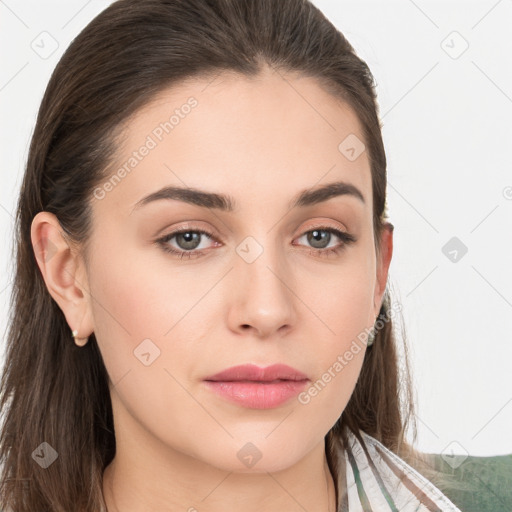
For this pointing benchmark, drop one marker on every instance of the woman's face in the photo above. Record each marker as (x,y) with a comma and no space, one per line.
(254,291)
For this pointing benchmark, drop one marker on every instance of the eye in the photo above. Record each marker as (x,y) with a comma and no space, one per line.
(188,241)
(321,236)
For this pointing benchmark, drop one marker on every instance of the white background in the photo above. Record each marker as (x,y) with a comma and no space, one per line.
(447,129)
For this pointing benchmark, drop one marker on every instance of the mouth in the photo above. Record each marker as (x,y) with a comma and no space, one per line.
(258,388)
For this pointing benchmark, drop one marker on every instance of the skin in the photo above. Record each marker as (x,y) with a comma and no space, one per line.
(260,140)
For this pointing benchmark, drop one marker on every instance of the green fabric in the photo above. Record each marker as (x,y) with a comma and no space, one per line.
(474,484)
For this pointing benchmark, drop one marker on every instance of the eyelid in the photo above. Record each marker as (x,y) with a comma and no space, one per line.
(190,226)
(324,225)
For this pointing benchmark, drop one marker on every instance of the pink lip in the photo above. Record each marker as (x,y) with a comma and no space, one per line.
(258,388)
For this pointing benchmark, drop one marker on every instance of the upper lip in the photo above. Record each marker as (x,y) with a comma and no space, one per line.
(252,372)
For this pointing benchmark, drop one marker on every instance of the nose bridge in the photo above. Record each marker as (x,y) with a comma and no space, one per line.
(263,297)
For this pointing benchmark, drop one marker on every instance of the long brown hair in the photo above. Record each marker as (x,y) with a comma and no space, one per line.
(56,392)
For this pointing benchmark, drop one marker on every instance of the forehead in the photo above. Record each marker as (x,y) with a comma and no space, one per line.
(250,136)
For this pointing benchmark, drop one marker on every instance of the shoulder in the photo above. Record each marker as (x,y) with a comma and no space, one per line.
(374,478)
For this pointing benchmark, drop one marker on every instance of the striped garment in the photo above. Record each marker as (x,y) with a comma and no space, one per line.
(371,478)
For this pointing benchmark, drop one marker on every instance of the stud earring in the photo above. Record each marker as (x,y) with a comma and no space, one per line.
(371,338)
(79,341)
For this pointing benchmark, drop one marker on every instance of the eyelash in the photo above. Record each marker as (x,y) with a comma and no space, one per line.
(346,238)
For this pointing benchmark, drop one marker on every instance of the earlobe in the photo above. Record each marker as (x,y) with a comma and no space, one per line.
(62,273)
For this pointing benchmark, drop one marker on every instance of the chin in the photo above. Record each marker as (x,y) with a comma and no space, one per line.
(258,457)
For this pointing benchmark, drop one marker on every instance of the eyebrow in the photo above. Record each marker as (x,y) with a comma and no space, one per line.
(226,203)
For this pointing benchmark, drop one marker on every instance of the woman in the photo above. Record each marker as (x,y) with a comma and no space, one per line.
(201,313)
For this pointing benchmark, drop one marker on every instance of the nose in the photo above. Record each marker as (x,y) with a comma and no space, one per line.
(262,298)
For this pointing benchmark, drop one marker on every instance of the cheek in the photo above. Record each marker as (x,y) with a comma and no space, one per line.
(127,306)
(343,303)
(341,290)
(139,315)
(342,299)
(143,305)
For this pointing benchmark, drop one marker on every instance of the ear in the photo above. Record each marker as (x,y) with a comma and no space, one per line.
(63,272)
(383,262)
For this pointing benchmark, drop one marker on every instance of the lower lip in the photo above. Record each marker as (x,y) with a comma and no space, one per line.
(258,395)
